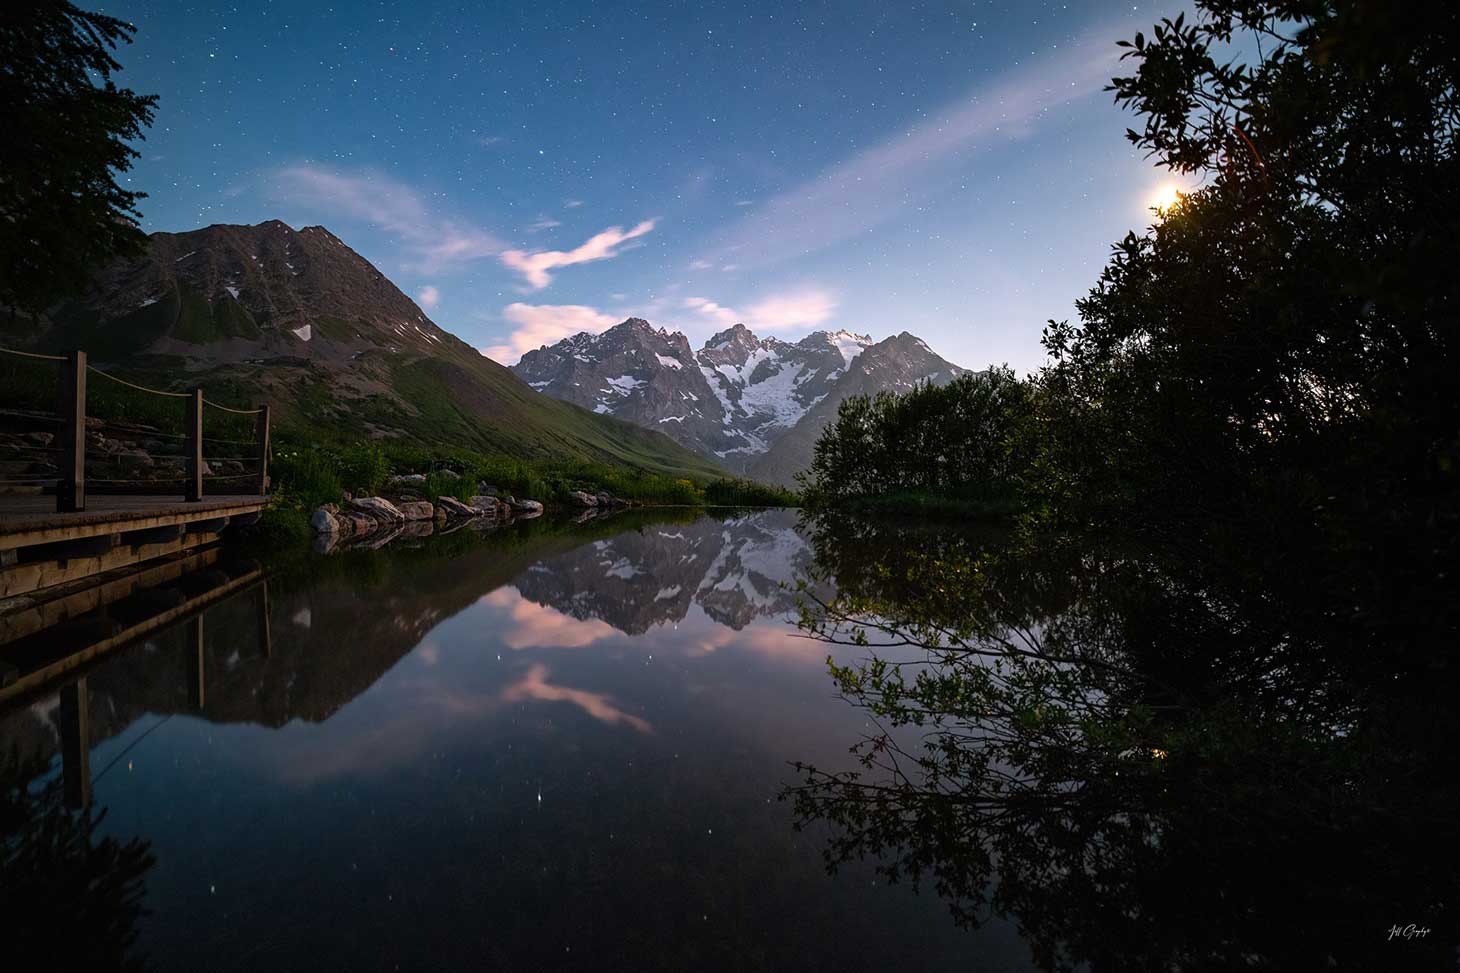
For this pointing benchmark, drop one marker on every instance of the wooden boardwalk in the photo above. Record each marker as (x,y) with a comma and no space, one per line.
(41,548)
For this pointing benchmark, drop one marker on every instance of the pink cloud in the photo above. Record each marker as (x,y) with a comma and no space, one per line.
(429,296)
(534,266)
(795,309)
(545,324)
(600,706)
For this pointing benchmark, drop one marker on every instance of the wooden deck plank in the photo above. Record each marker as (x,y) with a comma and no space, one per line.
(28,520)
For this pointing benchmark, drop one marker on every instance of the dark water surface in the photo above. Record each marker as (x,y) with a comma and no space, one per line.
(547,746)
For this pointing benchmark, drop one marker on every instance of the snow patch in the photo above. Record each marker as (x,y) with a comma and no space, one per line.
(233,291)
(307,332)
(625,384)
(668,362)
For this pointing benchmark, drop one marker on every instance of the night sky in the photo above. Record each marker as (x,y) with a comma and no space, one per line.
(526,171)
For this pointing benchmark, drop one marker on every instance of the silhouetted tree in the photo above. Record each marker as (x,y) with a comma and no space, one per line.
(66,132)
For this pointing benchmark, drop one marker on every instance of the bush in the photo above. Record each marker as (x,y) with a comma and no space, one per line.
(363,469)
(738,492)
(307,476)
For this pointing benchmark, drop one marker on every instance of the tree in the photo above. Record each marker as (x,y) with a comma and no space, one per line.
(67,128)
(1269,373)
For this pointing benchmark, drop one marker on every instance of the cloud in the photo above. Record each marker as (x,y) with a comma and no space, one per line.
(887,180)
(745,202)
(543,223)
(432,242)
(572,203)
(487,141)
(600,706)
(711,310)
(428,296)
(534,266)
(700,264)
(804,308)
(536,626)
(545,324)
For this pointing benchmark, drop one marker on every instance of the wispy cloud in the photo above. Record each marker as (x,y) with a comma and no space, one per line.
(543,223)
(428,296)
(572,203)
(884,181)
(487,141)
(545,324)
(535,686)
(700,264)
(795,309)
(433,242)
(534,266)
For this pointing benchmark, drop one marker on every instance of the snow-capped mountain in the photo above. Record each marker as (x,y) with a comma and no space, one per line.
(739,397)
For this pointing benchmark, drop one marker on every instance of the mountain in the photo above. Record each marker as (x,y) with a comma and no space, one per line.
(301,320)
(757,405)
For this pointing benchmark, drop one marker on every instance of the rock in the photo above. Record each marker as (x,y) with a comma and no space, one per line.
(416,510)
(407,480)
(330,507)
(454,507)
(41,438)
(485,503)
(324,522)
(133,459)
(379,508)
(605,499)
(582,499)
(360,523)
(526,507)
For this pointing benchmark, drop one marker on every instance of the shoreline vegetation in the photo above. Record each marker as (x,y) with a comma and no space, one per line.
(420,484)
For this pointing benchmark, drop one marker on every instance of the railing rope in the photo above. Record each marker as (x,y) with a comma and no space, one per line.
(72,404)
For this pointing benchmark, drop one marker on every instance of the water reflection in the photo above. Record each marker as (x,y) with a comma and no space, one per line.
(1146,765)
(551,746)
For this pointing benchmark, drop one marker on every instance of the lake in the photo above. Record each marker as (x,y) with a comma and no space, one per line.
(544,746)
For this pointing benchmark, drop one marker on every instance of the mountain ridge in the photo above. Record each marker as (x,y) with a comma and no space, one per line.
(298,318)
(737,399)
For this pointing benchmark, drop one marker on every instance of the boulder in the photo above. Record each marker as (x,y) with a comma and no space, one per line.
(407,480)
(526,507)
(455,508)
(582,499)
(324,522)
(132,459)
(416,510)
(360,523)
(486,503)
(379,508)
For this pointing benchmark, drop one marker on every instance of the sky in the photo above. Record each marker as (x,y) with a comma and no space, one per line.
(526,171)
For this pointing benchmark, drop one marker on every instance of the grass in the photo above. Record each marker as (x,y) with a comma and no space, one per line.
(311,473)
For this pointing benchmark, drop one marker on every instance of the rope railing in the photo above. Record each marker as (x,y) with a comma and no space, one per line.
(31,354)
(128,428)
(237,412)
(134,385)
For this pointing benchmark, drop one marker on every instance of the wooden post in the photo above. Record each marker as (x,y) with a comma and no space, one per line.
(71,490)
(261,437)
(265,642)
(194,661)
(75,721)
(193,490)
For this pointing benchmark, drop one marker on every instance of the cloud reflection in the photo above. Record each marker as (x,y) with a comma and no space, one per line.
(535,685)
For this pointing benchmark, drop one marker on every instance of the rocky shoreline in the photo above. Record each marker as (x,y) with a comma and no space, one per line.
(401,511)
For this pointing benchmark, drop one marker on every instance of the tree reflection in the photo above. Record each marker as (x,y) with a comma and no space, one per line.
(1117,752)
(71,898)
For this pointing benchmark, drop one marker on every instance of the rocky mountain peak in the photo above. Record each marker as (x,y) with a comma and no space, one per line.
(737,396)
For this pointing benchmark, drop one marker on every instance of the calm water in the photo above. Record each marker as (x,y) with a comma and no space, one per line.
(540,747)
